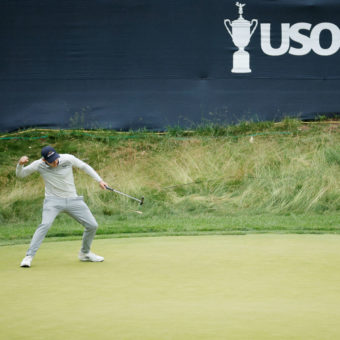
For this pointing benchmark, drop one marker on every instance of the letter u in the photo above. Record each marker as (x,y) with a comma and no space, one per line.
(266,40)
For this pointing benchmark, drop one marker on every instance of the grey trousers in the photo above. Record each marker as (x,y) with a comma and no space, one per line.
(75,207)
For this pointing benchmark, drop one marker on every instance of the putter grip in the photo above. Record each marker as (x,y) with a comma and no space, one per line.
(108,188)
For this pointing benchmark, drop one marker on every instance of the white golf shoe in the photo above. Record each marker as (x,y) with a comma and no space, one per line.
(90,257)
(26,262)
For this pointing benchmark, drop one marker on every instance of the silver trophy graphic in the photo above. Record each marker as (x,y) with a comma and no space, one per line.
(241,34)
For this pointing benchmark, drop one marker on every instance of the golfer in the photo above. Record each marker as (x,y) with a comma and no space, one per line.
(61,196)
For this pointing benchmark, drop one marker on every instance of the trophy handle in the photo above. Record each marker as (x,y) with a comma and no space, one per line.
(253,30)
(226,26)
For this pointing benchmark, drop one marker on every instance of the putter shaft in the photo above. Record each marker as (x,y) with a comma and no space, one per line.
(141,201)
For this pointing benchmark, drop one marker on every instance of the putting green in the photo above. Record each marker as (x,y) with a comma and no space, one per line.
(206,287)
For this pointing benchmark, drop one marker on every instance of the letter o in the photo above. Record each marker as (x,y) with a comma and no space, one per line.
(315,39)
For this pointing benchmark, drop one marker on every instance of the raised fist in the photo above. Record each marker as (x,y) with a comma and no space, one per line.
(23,160)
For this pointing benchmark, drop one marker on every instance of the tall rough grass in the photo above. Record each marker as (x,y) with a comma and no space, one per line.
(290,174)
(293,172)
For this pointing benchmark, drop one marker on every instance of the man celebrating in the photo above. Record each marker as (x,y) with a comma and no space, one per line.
(61,196)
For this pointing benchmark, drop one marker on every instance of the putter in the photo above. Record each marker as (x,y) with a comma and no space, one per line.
(141,201)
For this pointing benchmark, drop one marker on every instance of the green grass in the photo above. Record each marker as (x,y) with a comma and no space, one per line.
(255,287)
(210,179)
(124,225)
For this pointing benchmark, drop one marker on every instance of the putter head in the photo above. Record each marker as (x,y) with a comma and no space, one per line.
(141,201)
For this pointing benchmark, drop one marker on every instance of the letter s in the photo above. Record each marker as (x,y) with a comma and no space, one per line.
(300,38)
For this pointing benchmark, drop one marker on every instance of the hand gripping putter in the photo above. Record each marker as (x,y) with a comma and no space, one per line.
(141,201)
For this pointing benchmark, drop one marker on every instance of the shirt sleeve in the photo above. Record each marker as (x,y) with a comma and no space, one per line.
(23,171)
(85,167)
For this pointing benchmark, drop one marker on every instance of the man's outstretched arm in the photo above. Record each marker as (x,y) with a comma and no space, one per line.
(89,170)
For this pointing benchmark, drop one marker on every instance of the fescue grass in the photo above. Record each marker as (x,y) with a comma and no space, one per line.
(249,177)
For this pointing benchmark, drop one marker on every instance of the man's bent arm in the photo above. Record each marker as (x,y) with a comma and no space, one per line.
(23,171)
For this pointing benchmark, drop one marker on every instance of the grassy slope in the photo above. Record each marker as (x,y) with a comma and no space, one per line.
(211,179)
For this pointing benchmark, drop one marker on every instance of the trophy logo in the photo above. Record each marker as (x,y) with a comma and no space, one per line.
(241,33)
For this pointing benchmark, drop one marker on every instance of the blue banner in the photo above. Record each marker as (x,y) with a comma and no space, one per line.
(127,64)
